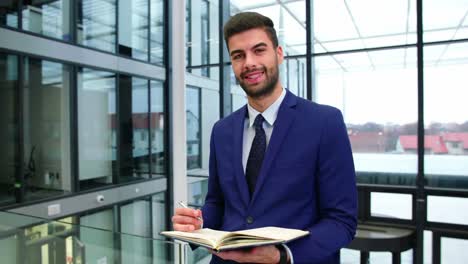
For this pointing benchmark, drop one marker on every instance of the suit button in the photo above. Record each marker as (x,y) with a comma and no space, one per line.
(249,219)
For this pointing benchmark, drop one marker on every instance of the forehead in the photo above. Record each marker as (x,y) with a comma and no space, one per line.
(248,39)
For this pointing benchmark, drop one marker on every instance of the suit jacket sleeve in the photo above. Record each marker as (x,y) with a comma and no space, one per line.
(337,195)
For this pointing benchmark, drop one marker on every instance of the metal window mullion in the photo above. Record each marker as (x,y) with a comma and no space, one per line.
(309,46)
(20,179)
(420,197)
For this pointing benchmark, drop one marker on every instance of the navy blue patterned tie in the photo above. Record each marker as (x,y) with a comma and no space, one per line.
(256,155)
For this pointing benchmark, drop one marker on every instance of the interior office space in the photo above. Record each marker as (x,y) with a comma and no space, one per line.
(106,109)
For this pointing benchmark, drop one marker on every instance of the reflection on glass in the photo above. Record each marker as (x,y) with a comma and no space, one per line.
(8,133)
(9,13)
(157,132)
(133,28)
(192,106)
(135,220)
(446,120)
(141,132)
(157,32)
(133,126)
(376,92)
(96,26)
(296,76)
(288,18)
(445,20)
(202,35)
(96,128)
(49,18)
(344,25)
(102,244)
(46,129)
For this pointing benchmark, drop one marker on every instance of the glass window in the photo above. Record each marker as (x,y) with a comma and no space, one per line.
(451,210)
(49,18)
(445,20)
(9,124)
(453,250)
(157,32)
(133,28)
(384,204)
(158,215)
(358,24)
(446,120)
(376,92)
(133,120)
(9,13)
(135,221)
(296,76)
(202,34)
(158,149)
(100,246)
(288,18)
(96,26)
(193,127)
(46,115)
(97,128)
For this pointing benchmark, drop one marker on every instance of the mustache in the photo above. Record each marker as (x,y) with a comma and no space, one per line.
(263,68)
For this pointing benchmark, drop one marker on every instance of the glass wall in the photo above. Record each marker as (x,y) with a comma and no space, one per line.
(157,32)
(192,111)
(49,18)
(97,132)
(9,13)
(133,28)
(446,121)
(8,120)
(96,25)
(46,124)
(157,131)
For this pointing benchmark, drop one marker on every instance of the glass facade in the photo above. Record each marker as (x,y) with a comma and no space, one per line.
(133,28)
(9,122)
(48,18)
(97,138)
(96,24)
(46,128)
(9,13)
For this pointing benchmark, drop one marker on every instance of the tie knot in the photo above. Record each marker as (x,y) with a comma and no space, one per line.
(258,123)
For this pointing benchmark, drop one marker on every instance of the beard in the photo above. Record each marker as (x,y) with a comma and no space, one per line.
(270,82)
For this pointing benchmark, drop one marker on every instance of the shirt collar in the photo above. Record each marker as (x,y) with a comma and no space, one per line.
(270,113)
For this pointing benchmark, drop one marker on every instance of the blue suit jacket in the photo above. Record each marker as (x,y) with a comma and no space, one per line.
(307,180)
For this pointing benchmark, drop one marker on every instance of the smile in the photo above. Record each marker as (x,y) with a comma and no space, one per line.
(254,77)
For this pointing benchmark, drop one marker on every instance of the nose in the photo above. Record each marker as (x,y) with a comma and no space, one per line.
(250,61)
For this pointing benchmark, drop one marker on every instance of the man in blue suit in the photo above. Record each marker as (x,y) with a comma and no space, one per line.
(278,161)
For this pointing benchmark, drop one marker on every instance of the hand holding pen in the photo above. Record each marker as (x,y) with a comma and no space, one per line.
(187,219)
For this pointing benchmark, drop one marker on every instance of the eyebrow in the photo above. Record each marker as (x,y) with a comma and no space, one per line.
(261,44)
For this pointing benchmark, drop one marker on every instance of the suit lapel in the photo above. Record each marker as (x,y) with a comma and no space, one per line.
(238,144)
(284,120)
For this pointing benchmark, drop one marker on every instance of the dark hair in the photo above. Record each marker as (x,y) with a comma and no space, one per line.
(249,20)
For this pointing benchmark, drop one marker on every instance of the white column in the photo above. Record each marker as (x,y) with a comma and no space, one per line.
(177,110)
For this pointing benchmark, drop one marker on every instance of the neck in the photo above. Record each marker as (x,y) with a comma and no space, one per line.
(262,103)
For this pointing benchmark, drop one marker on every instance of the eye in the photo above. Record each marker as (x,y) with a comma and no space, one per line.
(236,56)
(259,51)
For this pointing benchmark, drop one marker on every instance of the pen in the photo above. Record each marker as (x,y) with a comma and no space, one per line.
(185,206)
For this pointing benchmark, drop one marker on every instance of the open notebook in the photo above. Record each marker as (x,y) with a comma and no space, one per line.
(222,240)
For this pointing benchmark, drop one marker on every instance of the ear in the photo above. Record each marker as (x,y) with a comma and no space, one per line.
(279,54)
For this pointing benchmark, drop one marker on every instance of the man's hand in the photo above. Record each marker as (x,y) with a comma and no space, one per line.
(264,254)
(187,219)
